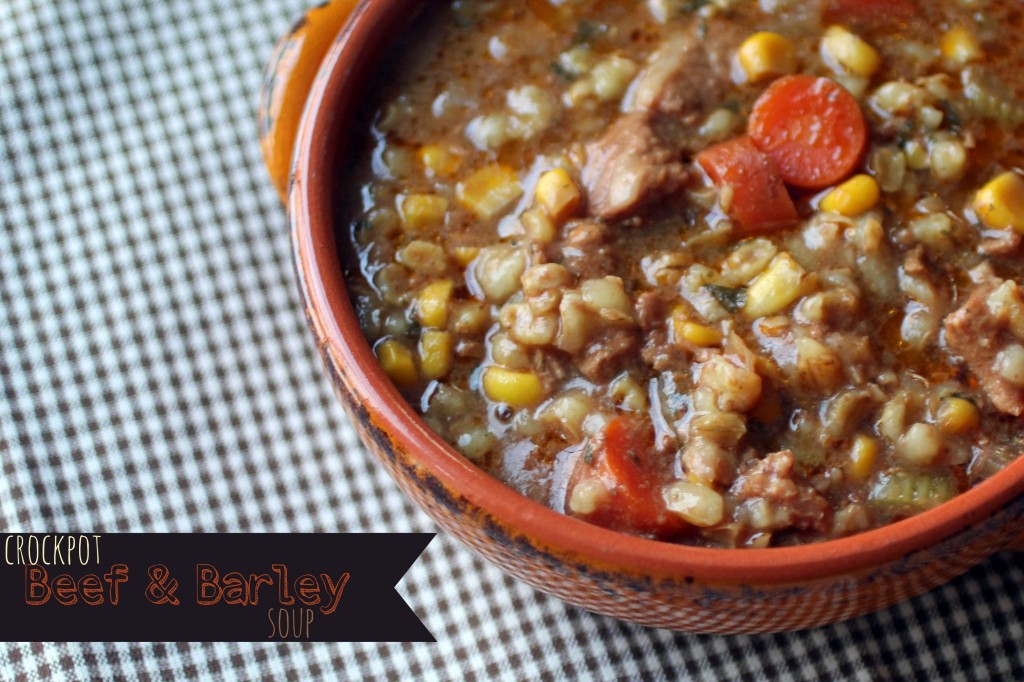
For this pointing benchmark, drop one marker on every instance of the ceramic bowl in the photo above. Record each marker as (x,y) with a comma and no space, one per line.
(635,579)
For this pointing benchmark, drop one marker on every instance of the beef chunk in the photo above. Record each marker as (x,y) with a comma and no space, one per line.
(587,250)
(603,358)
(629,167)
(687,76)
(978,330)
(772,500)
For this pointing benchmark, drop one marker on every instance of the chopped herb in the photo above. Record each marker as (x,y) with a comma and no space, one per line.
(732,299)
(588,31)
(561,72)
(732,105)
(633,456)
(588,455)
(952,117)
(702,28)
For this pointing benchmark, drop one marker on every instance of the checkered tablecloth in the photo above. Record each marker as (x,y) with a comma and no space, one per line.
(158,376)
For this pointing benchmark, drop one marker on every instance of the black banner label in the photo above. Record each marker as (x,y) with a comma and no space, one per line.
(240,587)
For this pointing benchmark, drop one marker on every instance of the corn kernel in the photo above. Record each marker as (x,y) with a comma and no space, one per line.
(863,456)
(489,190)
(684,329)
(1000,203)
(517,389)
(433,303)
(422,211)
(538,226)
(775,288)
(440,160)
(435,353)
(958,416)
(557,194)
(464,255)
(397,362)
(766,55)
(843,50)
(960,46)
(858,194)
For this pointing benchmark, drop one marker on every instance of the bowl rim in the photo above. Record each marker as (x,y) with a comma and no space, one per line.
(351,59)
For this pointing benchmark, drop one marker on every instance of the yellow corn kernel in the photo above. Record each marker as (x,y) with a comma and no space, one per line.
(439,160)
(958,416)
(464,255)
(517,389)
(775,288)
(863,456)
(538,226)
(433,303)
(489,190)
(1000,203)
(397,362)
(422,211)
(960,46)
(435,353)
(684,329)
(766,55)
(843,50)
(557,194)
(858,194)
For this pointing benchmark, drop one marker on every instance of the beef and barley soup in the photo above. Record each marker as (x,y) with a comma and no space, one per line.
(734,274)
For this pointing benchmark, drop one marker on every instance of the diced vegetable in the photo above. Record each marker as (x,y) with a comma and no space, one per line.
(398,362)
(775,288)
(489,190)
(855,196)
(557,194)
(440,160)
(766,55)
(959,45)
(517,389)
(1000,203)
(422,211)
(751,191)
(811,127)
(847,52)
(958,416)
(863,456)
(686,330)
(904,492)
(423,257)
(433,302)
(435,353)
(464,255)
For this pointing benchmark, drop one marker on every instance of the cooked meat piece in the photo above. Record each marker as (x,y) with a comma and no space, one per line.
(688,75)
(586,251)
(977,331)
(602,359)
(651,309)
(629,167)
(1001,242)
(768,493)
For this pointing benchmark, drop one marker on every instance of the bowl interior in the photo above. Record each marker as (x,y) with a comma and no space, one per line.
(322,144)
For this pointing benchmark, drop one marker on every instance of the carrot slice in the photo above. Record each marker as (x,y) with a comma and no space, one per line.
(759,201)
(625,464)
(811,127)
(903,10)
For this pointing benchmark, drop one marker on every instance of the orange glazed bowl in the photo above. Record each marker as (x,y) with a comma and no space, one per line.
(645,581)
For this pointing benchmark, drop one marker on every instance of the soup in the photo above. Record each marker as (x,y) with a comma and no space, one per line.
(734,274)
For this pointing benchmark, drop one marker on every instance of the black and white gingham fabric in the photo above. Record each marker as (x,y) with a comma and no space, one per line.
(157,377)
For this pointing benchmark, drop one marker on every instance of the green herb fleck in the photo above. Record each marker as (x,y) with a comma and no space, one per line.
(588,31)
(732,299)
(732,105)
(952,117)
(694,5)
(588,455)
(561,72)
